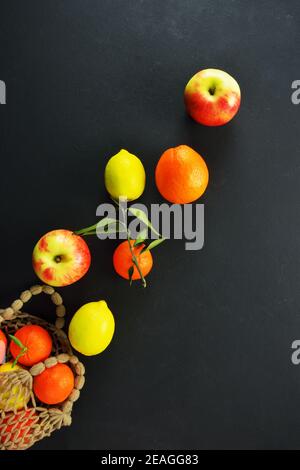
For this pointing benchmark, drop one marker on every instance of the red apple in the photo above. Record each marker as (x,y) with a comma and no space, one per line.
(61,258)
(3,344)
(212,97)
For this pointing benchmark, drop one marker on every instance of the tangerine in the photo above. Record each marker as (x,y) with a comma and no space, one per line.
(181,175)
(37,345)
(54,385)
(18,428)
(122,260)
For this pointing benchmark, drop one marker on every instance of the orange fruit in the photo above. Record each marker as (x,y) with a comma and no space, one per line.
(181,175)
(54,385)
(122,260)
(37,341)
(18,428)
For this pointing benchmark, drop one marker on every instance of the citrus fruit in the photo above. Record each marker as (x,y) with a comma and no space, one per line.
(92,328)
(18,427)
(15,398)
(125,176)
(122,260)
(37,345)
(10,367)
(54,385)
(181,175)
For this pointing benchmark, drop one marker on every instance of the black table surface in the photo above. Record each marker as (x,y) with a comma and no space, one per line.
(202,357)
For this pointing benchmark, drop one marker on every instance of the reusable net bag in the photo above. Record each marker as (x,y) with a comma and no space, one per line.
(21,428)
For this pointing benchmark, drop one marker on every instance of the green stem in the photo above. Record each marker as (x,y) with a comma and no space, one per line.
(23,351)
(135,262)
(92,230)
(134,259)
(23,348)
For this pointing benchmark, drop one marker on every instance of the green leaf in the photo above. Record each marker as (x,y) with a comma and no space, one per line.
(92,230)
(106,221)
(17,341)
(154,244)
(142,237)
(112,228)
(85,230)
(139,214)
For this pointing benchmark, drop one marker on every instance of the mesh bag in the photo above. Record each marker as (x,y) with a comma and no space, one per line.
(21,428)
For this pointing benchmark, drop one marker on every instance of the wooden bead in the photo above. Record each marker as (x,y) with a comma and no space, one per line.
(60,322)
(26,296)
(8,313)
(48,290)
(79,382)
(74,395)
(79,368)
(37,369)
(63,358)
(67,406)
(74,360)
(17,305)
(50,362)
(56,298)
(60,310)
(36,290)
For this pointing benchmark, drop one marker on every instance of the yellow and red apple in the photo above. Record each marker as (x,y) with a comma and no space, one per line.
(212,97)
(3,344)
(61,258)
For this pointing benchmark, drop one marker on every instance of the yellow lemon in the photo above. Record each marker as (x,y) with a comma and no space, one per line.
(125,176)
(92,328)
(8,367)
(15,398)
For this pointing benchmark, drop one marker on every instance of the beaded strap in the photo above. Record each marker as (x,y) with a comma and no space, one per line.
(16,307)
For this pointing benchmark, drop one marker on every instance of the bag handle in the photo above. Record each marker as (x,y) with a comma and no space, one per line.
(17,305)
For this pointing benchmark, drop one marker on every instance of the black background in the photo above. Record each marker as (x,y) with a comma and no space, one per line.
(201,358)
